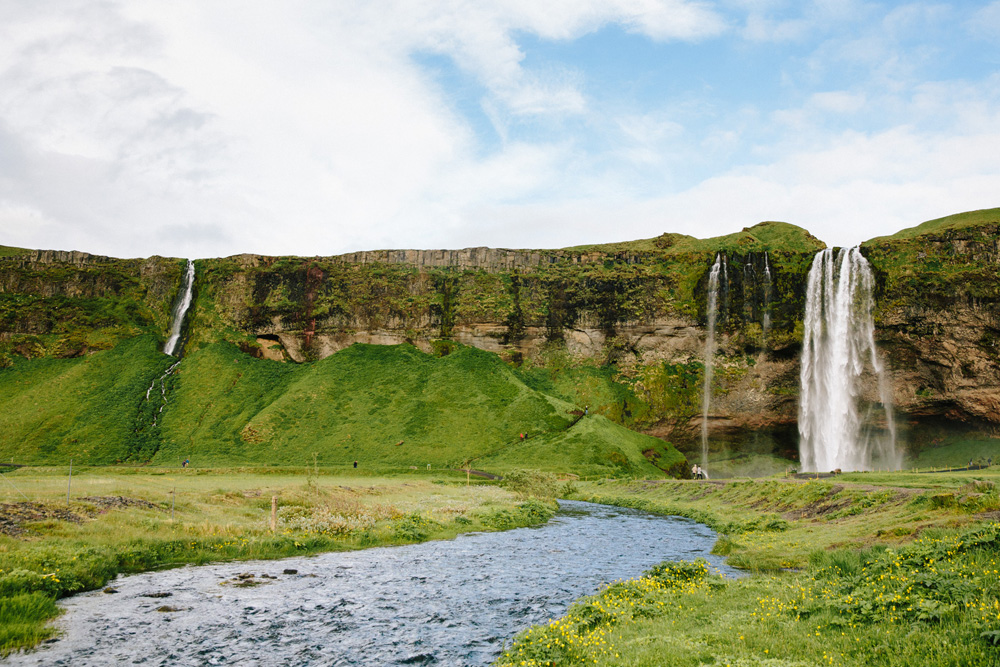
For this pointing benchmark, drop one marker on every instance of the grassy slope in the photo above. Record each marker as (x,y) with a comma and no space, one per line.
(84,408)
(358,404)
(770,235)
(225,407)
(11,251)
(957,221)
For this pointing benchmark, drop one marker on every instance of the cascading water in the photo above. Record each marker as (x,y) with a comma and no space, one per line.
(838,356)
(173,344)
(712,310)
(766,319)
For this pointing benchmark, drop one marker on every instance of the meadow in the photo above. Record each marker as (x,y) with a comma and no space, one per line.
(844,572)
(126,520)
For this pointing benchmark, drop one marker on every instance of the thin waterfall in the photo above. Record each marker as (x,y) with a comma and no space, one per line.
(838,355)
(162,380)
(712,310)
(181,306)
(766,318)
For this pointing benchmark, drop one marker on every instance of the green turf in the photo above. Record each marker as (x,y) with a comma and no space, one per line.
(10,251)
(380,405)
(769,235)
(957,221)
(84,408)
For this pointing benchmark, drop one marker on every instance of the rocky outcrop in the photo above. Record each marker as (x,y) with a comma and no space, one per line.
(55,302)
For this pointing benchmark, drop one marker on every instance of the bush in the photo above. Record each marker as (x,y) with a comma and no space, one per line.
(531,483)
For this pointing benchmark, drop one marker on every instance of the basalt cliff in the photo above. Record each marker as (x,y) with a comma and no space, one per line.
(618,328)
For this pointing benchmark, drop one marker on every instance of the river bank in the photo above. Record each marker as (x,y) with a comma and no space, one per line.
(865,569)
(120,521)
(442,602)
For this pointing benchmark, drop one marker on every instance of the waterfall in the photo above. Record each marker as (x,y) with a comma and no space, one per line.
(163,390)
(712,311)
(838,356)
(173,344)
(766,319)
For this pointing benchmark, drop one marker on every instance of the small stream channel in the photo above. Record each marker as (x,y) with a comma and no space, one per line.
(437,603)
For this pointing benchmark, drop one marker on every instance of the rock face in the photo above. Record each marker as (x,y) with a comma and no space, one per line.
(939,320)
(66,303)
(636,310)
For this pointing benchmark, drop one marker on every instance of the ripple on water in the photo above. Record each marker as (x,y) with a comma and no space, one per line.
(448,603)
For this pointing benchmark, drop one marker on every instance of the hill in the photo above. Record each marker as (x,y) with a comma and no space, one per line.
(380,405)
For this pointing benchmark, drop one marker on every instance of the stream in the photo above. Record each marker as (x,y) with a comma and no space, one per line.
(454,602)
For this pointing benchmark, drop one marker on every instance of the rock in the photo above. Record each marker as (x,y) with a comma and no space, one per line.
(164,594)
(289,571)
(110,590)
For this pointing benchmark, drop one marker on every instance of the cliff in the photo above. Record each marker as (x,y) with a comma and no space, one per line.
(617,327)
(65,304)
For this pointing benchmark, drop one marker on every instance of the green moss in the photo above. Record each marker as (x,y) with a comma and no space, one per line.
(947,223)
(10,251)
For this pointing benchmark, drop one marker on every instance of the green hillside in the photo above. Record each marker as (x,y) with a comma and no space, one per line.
(950,222)
(86,408)
(10,251)
(224,407)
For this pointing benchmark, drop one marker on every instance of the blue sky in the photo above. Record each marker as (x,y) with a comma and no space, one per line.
(204,129)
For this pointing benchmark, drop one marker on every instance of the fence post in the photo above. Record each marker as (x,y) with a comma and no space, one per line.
(274,514)
(173,501)
(69,484)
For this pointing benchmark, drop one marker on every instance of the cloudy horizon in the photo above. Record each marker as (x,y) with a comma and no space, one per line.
(308,128)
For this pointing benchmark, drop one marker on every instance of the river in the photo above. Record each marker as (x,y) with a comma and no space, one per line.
(451,602)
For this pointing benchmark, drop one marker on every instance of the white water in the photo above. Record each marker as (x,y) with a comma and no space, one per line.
(163,390)
(180,310)
(766,320)
(712,310)
(838,356)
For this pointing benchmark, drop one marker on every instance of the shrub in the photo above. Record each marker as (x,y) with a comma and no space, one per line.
(531,483)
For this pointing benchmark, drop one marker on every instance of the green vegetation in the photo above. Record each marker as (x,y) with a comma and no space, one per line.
(379,405)
(10,251)
(85,408)
(937,263)
(125,520)
(851,574)
(951,222)
(66,309)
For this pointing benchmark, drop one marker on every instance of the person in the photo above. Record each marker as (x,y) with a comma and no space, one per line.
(586,409)
(185,463)
(355,464)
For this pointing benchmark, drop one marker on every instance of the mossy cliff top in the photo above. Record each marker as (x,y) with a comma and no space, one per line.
(525,293)
(68,303)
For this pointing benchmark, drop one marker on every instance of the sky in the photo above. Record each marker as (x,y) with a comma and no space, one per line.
(204,129)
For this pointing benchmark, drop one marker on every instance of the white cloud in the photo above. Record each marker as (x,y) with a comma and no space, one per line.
(215,128)
(985,23)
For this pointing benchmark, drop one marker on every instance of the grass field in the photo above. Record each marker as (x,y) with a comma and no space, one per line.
(847,573)
(132,520)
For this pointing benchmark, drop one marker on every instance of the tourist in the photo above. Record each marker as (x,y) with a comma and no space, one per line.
(355,464)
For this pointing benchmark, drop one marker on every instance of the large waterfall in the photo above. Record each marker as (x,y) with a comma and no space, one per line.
(712,310)
(173,344)
(839,359)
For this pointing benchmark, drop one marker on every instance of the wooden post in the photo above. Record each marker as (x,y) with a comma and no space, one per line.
(69,485)
(315,464)
(173,501)
(468,477)
(274,514)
